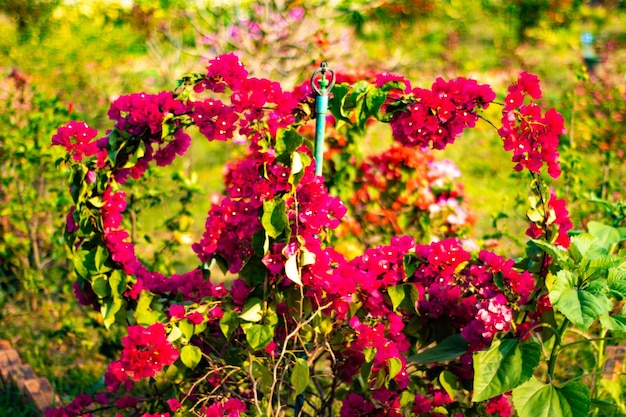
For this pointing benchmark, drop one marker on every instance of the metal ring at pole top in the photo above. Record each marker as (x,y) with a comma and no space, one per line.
(325,88)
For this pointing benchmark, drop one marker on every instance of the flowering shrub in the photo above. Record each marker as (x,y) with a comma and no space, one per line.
(405,328)
(31,191)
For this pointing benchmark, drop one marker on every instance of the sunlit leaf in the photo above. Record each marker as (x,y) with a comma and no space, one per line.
(253,310)
(292,270)
(300,375)
(190,355)
(581,307)
(274,219)
(502,367)
(258,336)
(536,399)
(607,235)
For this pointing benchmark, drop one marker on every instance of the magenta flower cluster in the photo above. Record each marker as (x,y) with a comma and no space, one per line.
(436,117)
(531,135)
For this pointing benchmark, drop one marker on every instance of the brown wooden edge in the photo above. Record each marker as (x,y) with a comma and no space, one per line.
(35,391)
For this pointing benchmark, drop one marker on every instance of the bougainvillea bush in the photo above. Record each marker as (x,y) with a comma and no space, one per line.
(413,327)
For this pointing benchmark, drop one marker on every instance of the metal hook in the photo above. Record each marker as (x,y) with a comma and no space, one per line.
(325,86)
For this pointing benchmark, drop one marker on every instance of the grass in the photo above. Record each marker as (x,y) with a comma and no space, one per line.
(11,404)
(61,340)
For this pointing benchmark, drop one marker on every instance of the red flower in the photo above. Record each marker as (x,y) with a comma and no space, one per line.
(77,137)
(499,405)
(145,352)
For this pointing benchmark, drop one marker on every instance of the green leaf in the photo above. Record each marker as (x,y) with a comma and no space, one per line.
(84,263)
(263,375)
(109,309)
(260,243)
(536,399)
(449,348)
(531,355)
(258,335)
(502,367)
(369,354)
(100,258)
(616,283)
(274,219)
(374,100)
(336,102)
(581,307)
(607,235)
(287,141)
(299,161)
(614,323)
(190,355)
(396,294)
(117,283)
(556,253)
(449,383)
(100,286)
(252,310)
(229,322)
(254,271)
(144,313)
(391,85)
(601,264)
(296,163)
(300,375)
(580,245)
(174,334)
(186,328)
(395,366)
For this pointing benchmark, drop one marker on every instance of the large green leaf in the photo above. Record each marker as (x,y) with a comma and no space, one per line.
(190,355)
(556,253)
(616,282)
(109,309)
(261,373)
(145,314)
(614,323)
(580,245)
(581,307)
(300,375)
(598,266)
(449,348)
(374,100)
(336,102)
(252,310)
(536,399)
(84,263)
(274,217)
(395,366)
(254,271)
(287,141)
(607,235)
(258,335)
(229,322)
(396,294)
(504,366)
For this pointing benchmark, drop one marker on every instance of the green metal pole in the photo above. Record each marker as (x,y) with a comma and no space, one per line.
(321,107)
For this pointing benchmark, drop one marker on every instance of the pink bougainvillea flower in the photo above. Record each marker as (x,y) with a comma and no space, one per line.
(500,406)
(77,137)
(145,351)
